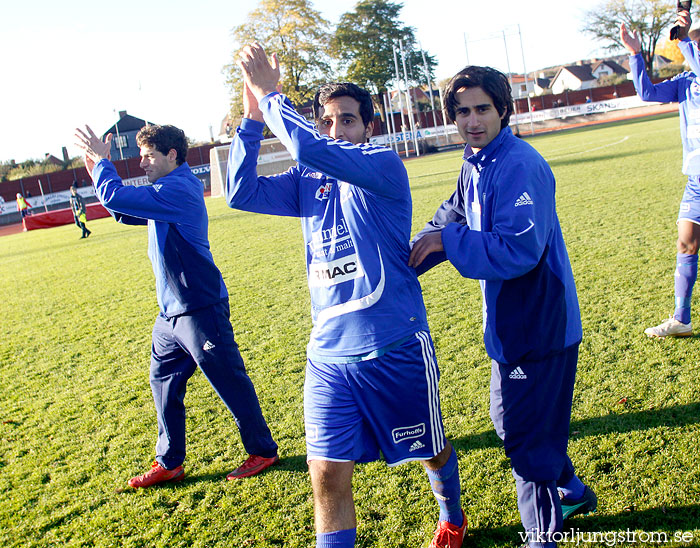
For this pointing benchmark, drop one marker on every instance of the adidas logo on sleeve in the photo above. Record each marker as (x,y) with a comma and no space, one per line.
(517,374)
(524,199)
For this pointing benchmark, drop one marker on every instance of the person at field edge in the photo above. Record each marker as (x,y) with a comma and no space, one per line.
(371,376)
(77,205)
(23,206)
(193,327)
(500,227)
(682,89)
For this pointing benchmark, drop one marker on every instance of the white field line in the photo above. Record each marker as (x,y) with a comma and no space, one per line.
(589,149)
(646,134)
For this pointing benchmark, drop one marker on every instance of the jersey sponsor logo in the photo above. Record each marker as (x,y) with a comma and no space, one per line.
(361,303)
(331,240)
(336,232)
(523,200)
(335,272)
(408,432)
(685,207)
(157,187)
(517,374)
(324,191)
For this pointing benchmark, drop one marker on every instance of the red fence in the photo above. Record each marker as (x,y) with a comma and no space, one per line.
(62,180)
(62,217)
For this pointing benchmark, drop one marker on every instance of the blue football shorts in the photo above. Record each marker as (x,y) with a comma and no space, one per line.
(390,404)
(690,204)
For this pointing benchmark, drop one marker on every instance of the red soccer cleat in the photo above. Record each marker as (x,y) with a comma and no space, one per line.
(254,464)
(448,535)
(157,474)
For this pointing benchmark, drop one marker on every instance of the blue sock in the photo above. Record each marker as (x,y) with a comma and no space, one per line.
(445,484)
(336,539)
(573,489)
(685,276)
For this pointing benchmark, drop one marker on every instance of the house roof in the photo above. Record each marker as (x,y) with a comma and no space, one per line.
(126,123)
(582,72)
(543,82)
(616,68)
(51,159)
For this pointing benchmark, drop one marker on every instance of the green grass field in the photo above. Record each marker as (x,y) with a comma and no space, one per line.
(76,411)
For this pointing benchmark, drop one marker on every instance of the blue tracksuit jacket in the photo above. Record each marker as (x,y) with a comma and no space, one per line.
(685,90)
(501,227)
(178,244)
(354,203)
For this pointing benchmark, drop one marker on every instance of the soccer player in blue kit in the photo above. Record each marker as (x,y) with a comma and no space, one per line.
(193,327)
(371,377)
(500,227)
(685,90)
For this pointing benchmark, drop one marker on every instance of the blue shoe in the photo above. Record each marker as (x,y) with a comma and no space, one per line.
(585,505)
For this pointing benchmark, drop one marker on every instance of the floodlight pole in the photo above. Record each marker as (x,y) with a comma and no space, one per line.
(398,88)
(510,80)
(390,121)
(466,48)
(408,100)
(119,139)
(430,86)
(444,115)
(529,104)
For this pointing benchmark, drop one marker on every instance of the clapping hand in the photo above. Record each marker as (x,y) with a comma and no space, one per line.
(93,148)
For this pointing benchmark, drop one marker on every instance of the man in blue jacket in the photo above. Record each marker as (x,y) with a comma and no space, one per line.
(685,90)
(501,227)
(193,328)
(371,376)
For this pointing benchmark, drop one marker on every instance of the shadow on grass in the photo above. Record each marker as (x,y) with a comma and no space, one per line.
(295,463)
(584,157)
(597,126)
(680,415)
(665,521)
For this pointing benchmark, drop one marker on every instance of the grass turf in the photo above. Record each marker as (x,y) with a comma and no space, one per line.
(76,411)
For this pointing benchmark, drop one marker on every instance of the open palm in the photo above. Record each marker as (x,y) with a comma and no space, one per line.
(631,40)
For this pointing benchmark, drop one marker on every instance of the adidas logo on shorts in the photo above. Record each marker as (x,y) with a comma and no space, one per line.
(416,445)
(517,374)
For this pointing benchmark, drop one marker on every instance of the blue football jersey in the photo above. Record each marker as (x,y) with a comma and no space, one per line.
(354,203)
(683,89)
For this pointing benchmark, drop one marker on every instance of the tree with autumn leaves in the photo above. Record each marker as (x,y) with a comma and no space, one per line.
(652,18)
(310,52)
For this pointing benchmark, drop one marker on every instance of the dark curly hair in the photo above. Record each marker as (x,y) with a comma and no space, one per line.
(345,89)
(494,83)
(163,139)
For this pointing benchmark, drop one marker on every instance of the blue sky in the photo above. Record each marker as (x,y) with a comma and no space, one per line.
(77,61)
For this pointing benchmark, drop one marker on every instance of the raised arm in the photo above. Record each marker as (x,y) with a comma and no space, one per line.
(276,195)
(377,169)
(129,204)
(664,92)
(688,47)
